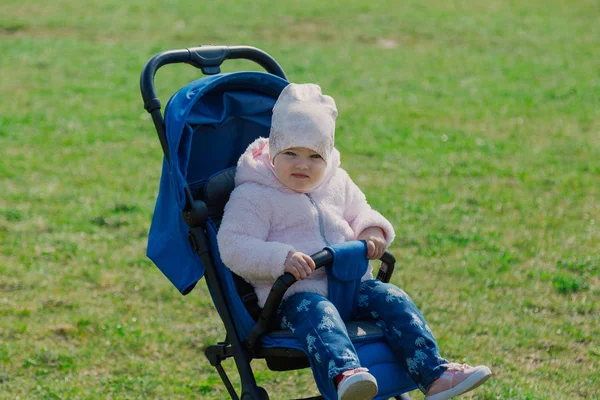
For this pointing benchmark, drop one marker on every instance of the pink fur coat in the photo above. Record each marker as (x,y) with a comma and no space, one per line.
(264,220)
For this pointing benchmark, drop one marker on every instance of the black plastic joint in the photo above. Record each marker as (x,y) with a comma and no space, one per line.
(216,353)
(211,70)
(208,58)
(196,215)
(151,105)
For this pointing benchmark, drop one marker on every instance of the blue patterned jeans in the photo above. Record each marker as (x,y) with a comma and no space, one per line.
(316,323)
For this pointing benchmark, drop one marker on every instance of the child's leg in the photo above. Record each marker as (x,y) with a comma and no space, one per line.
(405,329)
(316,323)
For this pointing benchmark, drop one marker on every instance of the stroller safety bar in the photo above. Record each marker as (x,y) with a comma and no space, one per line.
(206,58)
(286,280)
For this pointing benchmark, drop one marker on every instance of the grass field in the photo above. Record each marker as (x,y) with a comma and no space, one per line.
(473,125)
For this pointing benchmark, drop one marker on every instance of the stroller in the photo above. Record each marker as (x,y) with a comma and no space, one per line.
(207,125)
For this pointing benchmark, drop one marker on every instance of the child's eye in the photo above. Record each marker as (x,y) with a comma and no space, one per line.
(289,153)
(317,156)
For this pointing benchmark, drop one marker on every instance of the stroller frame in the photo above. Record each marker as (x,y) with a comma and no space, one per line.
(196,214)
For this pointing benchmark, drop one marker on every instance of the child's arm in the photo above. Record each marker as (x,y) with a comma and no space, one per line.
(364,221)
(242,238)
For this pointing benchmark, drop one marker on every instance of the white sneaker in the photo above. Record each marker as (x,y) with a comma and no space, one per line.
(357,384)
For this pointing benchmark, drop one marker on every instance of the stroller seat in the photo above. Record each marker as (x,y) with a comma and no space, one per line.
(279,348)
(208,124)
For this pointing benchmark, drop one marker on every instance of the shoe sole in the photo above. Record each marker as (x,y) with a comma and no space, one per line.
(359,390)
(475,380)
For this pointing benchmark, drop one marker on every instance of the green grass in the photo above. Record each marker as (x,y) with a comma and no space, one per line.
(473,125)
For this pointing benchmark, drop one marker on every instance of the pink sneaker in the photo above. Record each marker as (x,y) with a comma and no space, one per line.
(356,384)
(457,379)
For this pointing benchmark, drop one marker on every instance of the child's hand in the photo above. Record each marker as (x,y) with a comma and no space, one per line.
(299,264)
(376,243)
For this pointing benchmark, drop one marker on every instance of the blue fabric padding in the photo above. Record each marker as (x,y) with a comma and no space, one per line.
(243,320)
(209,123)
(377,356)
(343,276)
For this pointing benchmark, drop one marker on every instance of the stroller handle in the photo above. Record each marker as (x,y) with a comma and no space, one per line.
(282,284)
(206,58)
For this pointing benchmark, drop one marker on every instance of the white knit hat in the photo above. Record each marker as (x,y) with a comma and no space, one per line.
(303,117)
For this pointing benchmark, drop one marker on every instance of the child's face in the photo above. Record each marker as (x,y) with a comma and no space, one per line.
(299,168)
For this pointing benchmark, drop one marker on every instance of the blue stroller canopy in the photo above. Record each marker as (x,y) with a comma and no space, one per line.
(215,119)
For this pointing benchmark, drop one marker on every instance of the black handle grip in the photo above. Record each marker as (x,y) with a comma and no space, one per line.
(388,263)
(286,280)
(206,58)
